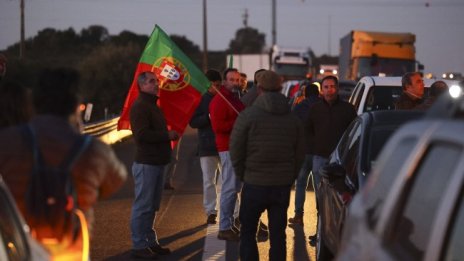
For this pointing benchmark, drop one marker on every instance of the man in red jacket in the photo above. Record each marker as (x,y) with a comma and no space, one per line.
(224,109)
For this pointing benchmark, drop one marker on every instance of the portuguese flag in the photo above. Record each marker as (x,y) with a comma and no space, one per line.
(181,82)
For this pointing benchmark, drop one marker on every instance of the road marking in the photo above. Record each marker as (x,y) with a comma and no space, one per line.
(214,248)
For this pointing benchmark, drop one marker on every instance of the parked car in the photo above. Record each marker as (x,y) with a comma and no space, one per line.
(373,93)
(15,240)
(412,206)
(347,171)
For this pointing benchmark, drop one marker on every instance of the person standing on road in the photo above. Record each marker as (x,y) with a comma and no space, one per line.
(301,110)
(209,157)
(97,172)
(153,152)
(224,109)
(327,120)
(252,93)
(267,149)
(413,91)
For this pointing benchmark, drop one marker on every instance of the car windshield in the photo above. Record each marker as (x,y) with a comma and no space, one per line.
(387,67)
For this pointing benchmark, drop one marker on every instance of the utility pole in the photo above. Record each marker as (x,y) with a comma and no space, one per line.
(205,39)
(274,33)
(245,18)
(329,35)
(21,44)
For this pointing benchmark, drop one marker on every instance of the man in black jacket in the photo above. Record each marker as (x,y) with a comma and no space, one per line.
(267,149)
(209,157)
(152,140)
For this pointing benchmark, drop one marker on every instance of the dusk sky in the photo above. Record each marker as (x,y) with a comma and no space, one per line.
(318,24)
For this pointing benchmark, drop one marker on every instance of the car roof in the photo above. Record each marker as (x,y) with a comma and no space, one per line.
(392,116)
(396,81)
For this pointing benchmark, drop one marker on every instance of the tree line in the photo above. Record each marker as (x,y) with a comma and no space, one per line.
(107,62)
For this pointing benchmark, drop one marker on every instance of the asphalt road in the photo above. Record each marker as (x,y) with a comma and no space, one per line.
(180,223)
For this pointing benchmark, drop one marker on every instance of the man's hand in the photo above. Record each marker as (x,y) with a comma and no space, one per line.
(173,135)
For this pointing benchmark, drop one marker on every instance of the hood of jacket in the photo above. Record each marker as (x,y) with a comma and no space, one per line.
(272,102)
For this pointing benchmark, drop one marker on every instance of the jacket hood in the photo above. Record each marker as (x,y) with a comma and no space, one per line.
(273,102)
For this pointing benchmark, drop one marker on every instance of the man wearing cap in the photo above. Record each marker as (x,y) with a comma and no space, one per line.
(267,149)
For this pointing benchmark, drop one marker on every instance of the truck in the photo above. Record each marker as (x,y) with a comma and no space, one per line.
(249,63)
(291,63)
(364,53)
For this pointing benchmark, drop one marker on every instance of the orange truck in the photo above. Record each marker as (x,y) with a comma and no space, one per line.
(365,53)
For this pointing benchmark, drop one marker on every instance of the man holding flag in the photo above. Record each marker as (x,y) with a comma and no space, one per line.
(152,140)
(165,92)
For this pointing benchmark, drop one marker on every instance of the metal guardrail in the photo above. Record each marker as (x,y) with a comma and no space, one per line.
(106,131)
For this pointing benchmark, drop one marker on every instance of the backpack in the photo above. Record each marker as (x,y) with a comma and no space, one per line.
(51,199)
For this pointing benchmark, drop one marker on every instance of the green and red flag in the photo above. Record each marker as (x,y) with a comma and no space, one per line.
(181,82)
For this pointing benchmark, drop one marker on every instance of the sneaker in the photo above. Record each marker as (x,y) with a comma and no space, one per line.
(144,253)
(160,250)
(211,219)
(296,220)
(228,235)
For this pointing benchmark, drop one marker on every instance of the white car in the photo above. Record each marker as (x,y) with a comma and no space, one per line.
(412,206)
(373,93)
(15,240)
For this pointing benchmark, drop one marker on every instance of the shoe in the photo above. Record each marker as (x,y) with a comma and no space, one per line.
(296,220)
(144,253)
(168,186)
(228,235)
(160,250)
(211,219)
(313,240)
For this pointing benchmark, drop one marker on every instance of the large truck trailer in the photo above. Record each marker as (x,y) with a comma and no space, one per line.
(365,53)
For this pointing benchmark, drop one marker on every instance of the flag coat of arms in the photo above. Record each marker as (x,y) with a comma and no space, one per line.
(181,82)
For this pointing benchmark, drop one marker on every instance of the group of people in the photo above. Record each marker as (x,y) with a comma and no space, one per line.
(252,138)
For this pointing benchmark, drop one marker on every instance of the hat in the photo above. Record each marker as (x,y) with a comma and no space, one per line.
(269,81)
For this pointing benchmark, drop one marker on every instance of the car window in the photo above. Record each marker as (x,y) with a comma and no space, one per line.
(350,158)
(344,142)
(377,139)
(380,183)
(358,95)
(455,247)
(410,229)
(12,236)
(382,98)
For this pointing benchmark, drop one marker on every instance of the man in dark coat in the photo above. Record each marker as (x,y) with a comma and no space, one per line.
(267,149)
(153,152)
(413,91)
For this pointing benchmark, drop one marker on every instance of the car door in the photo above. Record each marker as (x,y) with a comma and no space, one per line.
(334,201)
(409,229)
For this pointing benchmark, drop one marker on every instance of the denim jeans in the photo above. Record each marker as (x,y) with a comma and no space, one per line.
(256,199)
(318,163)
(211,168)
(148,181)
(231,185)
(302,184)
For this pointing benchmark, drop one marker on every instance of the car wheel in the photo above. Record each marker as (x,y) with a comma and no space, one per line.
(322,252)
